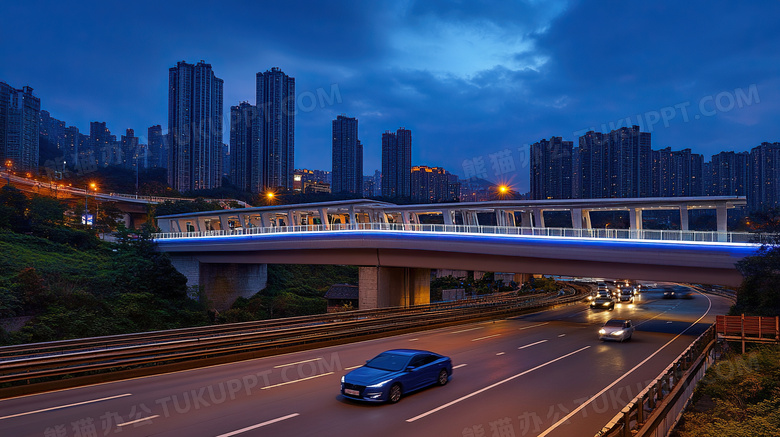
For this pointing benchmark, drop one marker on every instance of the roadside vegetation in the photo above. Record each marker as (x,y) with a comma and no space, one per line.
(739,396)
(58,280)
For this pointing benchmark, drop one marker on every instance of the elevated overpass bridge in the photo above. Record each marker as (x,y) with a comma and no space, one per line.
(134,208)
(226,252)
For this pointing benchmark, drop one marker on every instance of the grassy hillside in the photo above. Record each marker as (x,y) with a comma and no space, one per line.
(69,293)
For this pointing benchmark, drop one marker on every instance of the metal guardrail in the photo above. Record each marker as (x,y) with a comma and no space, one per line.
(121,340)
(655,411)
(615,234)
(186,353)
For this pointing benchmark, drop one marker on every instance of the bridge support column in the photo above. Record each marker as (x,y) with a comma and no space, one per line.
(525,219)
(352,218)
(382,287)
(538,218)
(128,219)
(576,218)
(635,219)
(222,284)
(447,215)
(324,218)
(586,219)
(722,215)
(684,217)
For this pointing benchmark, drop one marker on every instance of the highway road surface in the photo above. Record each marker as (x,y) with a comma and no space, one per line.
(543,374)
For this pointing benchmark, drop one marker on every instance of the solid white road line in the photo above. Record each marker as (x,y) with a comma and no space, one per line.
(596,396)
(482,338)
(467,330)
(532,326)
(138,420)
(297,380)
(459,366)
(353,367)
(268,422)
(532,344)
(463,398)
(297,362)
(67,406)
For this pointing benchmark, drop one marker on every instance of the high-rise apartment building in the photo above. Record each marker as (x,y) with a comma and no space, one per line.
(551,169)
(347,157)
(276,129)
(74,145)
(158,152)
(247,159)
(19,128)
(630,163)
(194,127)
(396,163)
(52,131)
(103,146)
(728,174)
(132,155)
(616,164)
(591,166)
(764,177)
(433,185)
(677,173)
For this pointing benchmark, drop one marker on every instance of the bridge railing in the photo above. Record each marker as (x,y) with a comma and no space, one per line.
(620,234)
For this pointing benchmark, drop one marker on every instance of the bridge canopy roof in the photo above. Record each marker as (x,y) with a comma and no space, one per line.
(337,205)
(645,203)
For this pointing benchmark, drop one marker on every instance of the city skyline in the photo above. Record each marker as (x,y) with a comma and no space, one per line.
(471,81)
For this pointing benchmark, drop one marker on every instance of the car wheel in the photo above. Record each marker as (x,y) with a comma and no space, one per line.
(395,394)
(443,377)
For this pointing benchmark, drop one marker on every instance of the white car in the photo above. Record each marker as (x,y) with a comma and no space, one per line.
(618,330)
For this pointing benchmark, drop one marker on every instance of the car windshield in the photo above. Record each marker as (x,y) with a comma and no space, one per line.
(614,324)
(388,361)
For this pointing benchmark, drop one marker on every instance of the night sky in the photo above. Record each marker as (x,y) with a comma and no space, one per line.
(475,81)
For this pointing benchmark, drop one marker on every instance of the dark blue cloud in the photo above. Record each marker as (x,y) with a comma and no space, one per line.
(471,79)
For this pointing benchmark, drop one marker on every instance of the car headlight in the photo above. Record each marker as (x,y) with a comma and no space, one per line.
(342,380)
(380,384)
(618,332)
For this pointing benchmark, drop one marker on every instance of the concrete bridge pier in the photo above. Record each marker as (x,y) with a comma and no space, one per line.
(381,287)
(222,283)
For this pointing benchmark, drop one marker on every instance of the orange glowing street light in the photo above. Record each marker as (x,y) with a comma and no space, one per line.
(8,165)
(503,190)
(269,197)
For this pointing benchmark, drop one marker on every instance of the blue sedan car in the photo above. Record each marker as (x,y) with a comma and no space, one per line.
(394,373)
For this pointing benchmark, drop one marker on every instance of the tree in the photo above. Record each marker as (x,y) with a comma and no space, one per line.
(13,208)
(46,211)
(759,294)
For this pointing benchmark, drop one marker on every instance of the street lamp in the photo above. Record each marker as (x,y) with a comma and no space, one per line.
(503,190)
(93,186)
(8,165)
